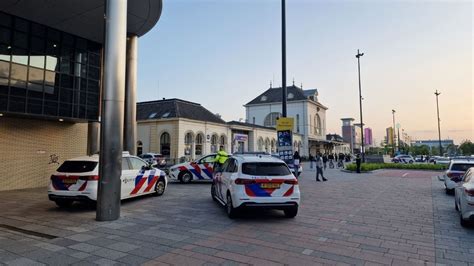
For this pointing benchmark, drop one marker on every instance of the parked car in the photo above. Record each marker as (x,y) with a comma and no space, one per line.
(200,169)
(256,182)
(77,179)
(464,198)
(154,159)
(442,160)
(403,159)
(455,172)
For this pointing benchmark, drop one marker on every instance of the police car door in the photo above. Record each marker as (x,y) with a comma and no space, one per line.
(219,176)
(127,178)
(206,164)
(227,174)
(141,177)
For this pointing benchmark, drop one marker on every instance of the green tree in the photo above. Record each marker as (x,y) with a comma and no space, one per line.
(467,147)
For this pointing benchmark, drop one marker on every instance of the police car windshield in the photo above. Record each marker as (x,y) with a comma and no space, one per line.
(461,166)
(265,169)
(77,166)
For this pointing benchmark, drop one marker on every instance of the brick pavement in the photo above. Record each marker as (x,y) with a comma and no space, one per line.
(366,219)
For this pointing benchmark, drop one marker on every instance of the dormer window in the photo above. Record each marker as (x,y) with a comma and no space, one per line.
(264,98)
(291,96)
(152,116)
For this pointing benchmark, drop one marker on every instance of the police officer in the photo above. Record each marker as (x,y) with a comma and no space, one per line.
(220,159)
(358,162)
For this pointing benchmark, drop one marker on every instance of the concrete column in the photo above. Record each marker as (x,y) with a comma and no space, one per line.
(111,126)
(130,123)
(93,138)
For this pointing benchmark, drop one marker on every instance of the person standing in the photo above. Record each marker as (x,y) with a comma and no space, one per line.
(311,159)
(296,163)
(325,160)
(319,167)
(358,162)
(220,159)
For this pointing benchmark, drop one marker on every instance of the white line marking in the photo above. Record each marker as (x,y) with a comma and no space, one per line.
(405,174)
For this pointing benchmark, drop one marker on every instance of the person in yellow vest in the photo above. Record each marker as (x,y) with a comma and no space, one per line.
(220,159)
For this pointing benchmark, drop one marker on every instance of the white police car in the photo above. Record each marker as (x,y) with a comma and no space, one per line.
(77,180)
(256,181)
(464,198)
(200,169)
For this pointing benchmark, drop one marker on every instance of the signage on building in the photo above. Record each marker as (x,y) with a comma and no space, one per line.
(240,137)
(285,138)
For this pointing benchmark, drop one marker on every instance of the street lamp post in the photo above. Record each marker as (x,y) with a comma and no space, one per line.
(393,133)
(283,58)
(360,105)
(439,127)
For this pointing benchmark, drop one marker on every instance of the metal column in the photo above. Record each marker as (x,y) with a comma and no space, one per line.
(130,126)
(283,58)
(111,127)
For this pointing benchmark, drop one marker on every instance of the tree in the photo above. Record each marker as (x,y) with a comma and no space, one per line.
(467,147)
(420,150)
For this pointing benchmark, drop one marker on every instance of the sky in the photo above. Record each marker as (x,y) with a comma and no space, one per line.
(224,53)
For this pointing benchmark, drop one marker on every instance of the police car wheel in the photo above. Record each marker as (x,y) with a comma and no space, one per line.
(64,203)
(160,187)
(291,212)
(231,211)
(213,192)
(463,222)
(185,177)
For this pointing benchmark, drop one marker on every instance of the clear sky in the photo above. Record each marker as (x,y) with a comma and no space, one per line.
(223,53)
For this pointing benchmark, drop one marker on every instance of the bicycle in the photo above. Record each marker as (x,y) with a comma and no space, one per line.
(331,164)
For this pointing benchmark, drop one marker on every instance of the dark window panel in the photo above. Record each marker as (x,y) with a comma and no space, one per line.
(21,24)
(93,86)
(82,112)
(66,96)
(50,108)
(65,110)
(37,29)
(52,63)
(51,93)
(92,113)
(17,88)
(51,78)
(92,99)
(4,69)
(20,56)
(37,61)
(67,53)
(67,81)
(3,102)
(52,48)
(38,44)
(34,106)
(94,73)
(54,35)
(19,72)
(66,67)
(20,40)
(81,56)
(5,20)
(83,84)
(75,110)
(68,40)
(82,98)
(94,59)
(5,36)
(35,90)
(3,86)
(17,104)
(93,47)
(81,43)
(5,51)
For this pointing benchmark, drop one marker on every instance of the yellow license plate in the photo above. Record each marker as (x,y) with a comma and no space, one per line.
(270,185)
(69,181)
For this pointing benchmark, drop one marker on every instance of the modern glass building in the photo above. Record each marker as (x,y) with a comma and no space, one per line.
(47,73)
(56,90)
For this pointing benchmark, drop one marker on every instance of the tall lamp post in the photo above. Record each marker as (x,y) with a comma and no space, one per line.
(439,127)
(283,58)
(393,133)
(358,55)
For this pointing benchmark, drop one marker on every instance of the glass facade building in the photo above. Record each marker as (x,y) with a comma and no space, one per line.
(47,73)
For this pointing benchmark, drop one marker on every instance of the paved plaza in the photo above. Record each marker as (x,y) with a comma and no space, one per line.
(393,217)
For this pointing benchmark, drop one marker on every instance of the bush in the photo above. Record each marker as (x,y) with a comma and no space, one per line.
(374,166)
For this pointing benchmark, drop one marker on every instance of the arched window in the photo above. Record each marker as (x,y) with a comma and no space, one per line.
(139,147)
(214,143)
(267,145)
(270,120)
(165,144)
(273,145)
(188,142)
(222,142)
(199,142)
(260,144)
(317,125)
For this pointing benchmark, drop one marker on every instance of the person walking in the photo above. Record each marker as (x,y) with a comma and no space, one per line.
(296,163)
(358,162)
(325,160)
(311,159)
(319,168)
